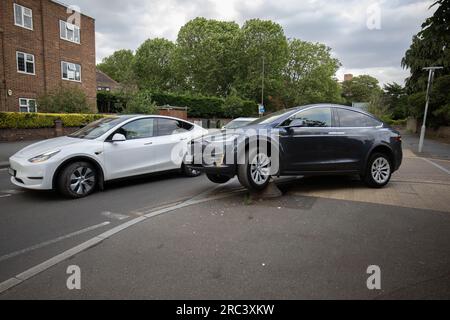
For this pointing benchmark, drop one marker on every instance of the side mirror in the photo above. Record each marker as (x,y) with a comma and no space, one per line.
(118,137)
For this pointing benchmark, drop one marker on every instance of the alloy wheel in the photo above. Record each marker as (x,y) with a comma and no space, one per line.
(82,180)
(260,168)
(381,170)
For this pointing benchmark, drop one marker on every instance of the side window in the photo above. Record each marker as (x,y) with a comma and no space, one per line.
(171,126)
(316,117)
(348,118)
(138,129)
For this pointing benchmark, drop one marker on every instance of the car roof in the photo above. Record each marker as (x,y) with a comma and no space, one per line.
(244,119)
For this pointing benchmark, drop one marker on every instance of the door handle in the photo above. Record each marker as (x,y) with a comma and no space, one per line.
(148,143)
(336,132)
(182,139)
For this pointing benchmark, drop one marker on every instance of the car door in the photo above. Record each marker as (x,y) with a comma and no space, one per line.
(135,155)
(309,147)
(353,137)
(172,138)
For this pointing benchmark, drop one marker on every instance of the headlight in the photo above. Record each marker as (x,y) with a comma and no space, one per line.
(43,157)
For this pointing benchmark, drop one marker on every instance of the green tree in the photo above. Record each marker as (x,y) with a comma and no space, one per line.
(430,47)
(261,40)
(396,99)
(140,103)
(153,64)
(119,66)
(206,56)
(309,74)
(362,88)
(65,99)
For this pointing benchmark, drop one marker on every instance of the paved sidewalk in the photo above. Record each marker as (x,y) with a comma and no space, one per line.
(7,149)
(431,148)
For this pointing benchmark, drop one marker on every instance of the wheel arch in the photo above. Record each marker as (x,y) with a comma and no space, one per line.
(380,148)
(98,167)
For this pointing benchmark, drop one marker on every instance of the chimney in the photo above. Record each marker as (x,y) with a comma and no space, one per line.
(348,77)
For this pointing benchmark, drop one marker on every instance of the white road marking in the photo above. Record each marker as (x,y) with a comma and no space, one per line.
(14,281)
(436,165)
(5,195)
(46,243)
(112,215)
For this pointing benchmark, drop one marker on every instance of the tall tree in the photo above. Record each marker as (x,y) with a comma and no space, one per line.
(309,74)
(362,88)
(206,56)
(430,47)
(119,65)
(396,99)
(153,64)
(261,40)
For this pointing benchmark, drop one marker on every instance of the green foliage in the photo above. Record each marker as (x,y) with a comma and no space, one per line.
(309,74)
(397,100)
(362,88)
(206,54)
(153,65)
(430,47)
(64,99)
(119,66)
(109,102)
(261,40)
(141,103)
(22,120)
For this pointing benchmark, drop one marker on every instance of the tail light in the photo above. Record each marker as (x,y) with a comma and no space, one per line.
(398,138)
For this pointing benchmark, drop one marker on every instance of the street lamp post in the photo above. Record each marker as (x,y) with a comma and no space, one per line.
(430,81)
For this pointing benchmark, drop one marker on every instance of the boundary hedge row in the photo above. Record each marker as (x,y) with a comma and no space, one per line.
(22,120)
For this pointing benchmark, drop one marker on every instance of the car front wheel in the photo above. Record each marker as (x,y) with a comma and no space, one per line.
(379,171)
(255,173)
(77,180)
(217,178)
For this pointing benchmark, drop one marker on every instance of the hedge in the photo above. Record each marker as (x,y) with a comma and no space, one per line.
(198,106)
(22,120)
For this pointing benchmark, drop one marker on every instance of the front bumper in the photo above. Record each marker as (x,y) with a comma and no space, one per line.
(216,163)
(37,176)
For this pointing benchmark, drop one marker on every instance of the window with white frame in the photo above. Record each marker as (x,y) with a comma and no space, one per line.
(71,71)
(23,17)
(25,62)
(27,105)
(69,32)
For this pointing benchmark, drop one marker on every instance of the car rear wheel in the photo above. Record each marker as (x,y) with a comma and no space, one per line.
(255,173)
(217,178)
(77,180)
(379,171)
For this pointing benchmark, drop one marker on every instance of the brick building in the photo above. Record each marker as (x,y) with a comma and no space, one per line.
(44,45)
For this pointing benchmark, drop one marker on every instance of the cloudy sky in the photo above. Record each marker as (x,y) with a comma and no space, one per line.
(368,36)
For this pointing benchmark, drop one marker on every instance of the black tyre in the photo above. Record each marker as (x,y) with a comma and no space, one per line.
(255,173)
(378,171)
(217,178)
(77,180)
(189,172)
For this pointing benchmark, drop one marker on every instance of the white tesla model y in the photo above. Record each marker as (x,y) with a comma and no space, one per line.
(110,148)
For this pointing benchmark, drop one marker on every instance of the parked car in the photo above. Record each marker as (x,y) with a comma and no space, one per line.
(309,140)
(238,123)
(110,148)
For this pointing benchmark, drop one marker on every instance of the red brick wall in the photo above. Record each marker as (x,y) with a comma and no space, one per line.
(49,50)
(181,114)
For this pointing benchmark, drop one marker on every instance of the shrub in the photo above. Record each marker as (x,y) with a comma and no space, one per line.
(141,103)
(64,99)
(18,120)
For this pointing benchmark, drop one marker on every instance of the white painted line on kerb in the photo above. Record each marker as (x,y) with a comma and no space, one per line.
(436,165)
(14,281)
(46,243)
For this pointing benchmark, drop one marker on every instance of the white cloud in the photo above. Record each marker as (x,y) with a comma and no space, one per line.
(340,24)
